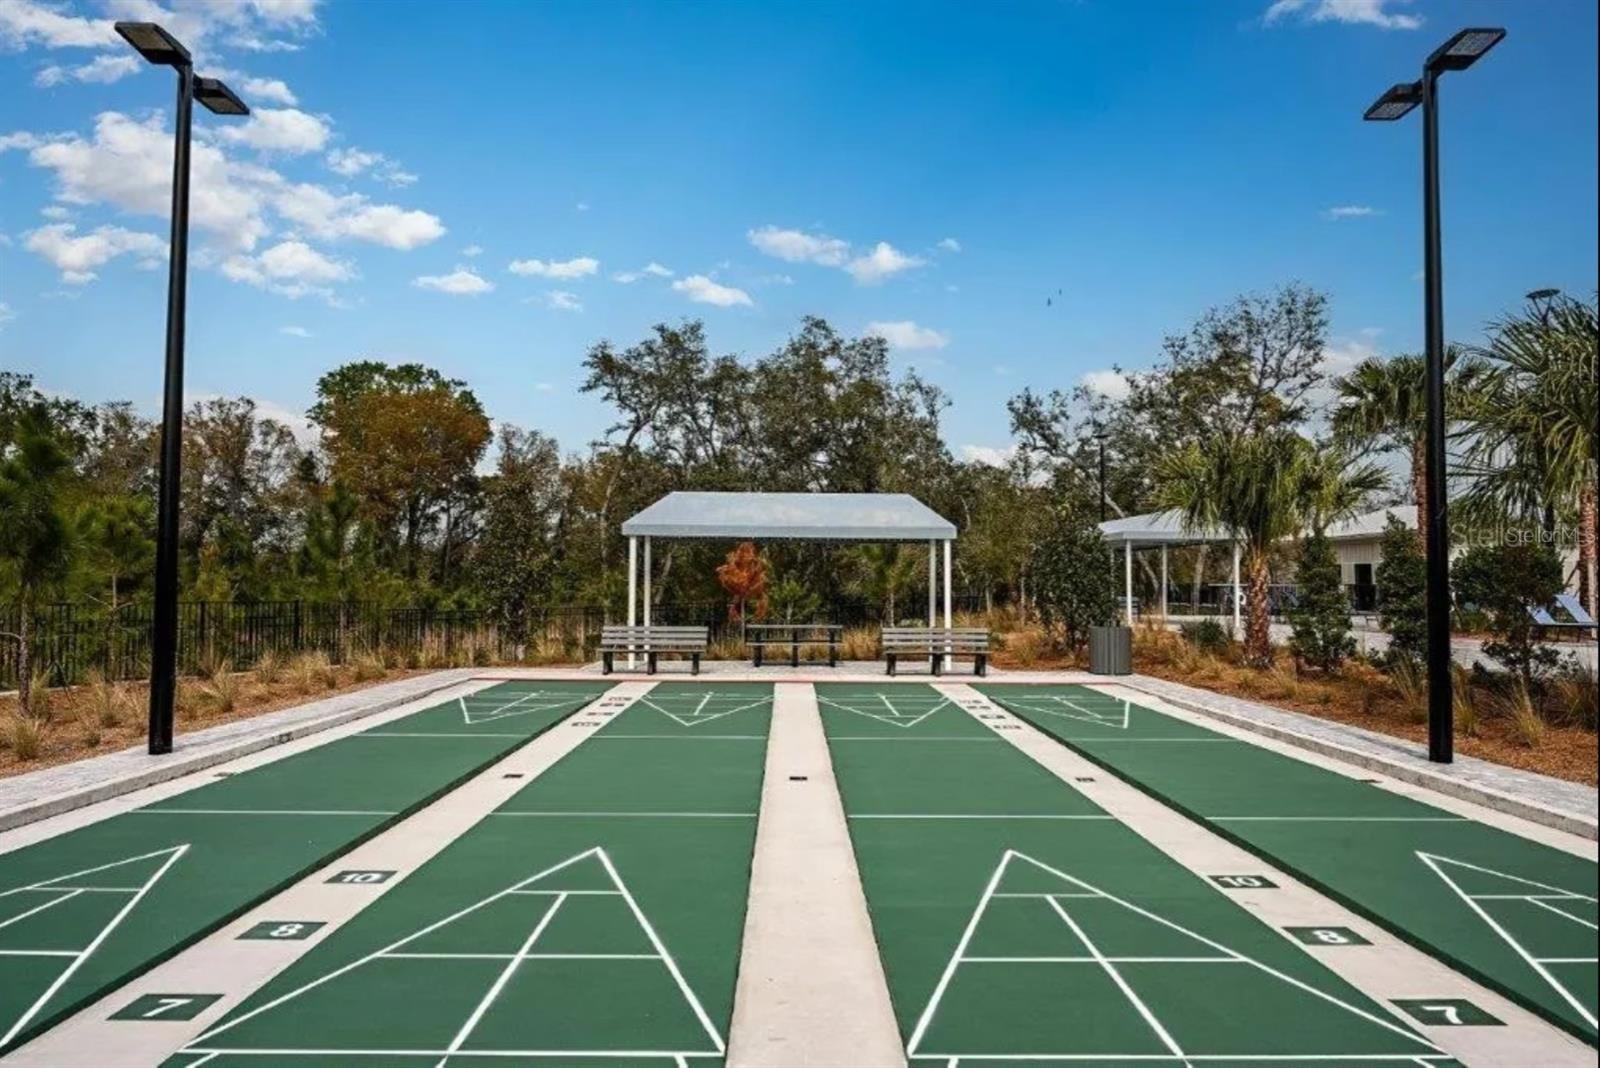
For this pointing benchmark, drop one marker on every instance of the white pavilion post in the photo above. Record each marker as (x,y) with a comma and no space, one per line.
(1236,597)
(633,581)
(1127,580)
(948,659)
(1163,582)
(647,580)
(933,583)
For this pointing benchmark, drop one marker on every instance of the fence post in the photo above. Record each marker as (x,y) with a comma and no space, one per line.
(296,632)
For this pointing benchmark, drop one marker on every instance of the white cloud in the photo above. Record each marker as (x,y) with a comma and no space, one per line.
(561,300)
(267,90)
(564,270)
(329,216)
(460,282)
(993,455)
(102,70)
(905,334)
(290,268)
(6,314)
(128,164)
(653,269)
(472,251)
(1377,13)
(544,387)
(55,212)
(77,256)
(19,140)
(702,290)
(883,262)
(24,22)
(796,246)
(286,130)
(1351,211)
(950,244)
(1112,385)
(350,162)
(294,331)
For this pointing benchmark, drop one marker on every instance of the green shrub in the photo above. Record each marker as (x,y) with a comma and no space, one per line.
(1402,578)
(1507,581)
(1207,635)
(1320,617)
(1075,586)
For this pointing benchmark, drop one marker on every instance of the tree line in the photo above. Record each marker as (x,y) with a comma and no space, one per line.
(409,493)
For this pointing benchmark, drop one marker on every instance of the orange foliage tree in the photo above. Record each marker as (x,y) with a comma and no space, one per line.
(744,575)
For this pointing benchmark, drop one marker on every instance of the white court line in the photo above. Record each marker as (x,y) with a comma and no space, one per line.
(519,956)
(907,738)
(894,716)
(1122,984)
(1167,1058)
(38,953)
(602,736)
(434,734)
(970,816)
(1433,861)
(261,812)
(641,815)
(1096,960)
(502,979)
(105,931)
(1340,819)
(1563,913)
(565,1054)
(66,895)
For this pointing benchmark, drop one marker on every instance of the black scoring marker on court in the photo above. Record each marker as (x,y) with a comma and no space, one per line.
(1327,936)
(1244,882)
(360,877)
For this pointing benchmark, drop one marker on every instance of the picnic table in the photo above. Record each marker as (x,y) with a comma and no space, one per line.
(759,636)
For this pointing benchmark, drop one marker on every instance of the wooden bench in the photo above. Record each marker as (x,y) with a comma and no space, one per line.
(936,643)
(651,642)
(758,636)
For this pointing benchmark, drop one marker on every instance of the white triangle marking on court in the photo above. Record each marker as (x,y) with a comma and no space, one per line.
(894,716)
(201,1045)
(1434,861)
(135,894)
(960,954)
(1088,715)
(510,708)
(699,716)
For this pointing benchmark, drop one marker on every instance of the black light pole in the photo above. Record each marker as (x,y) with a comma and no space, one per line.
(161,48)
(1458,53)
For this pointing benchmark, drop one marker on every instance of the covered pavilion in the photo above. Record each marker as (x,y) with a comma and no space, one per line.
(1163,530)
(859,517)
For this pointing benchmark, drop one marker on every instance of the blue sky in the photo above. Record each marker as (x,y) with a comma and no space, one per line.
(489,188)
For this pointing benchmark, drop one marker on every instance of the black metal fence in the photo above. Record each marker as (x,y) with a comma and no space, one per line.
(71,640)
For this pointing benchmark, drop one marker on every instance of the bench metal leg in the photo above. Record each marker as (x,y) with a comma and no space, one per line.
(605,663)
(890,658)
(794,654)
(757,657)
(650,663)
(933,663)
(833,653)
(980,666)
(694,663)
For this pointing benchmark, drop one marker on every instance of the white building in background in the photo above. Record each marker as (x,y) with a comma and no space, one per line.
(1357,543)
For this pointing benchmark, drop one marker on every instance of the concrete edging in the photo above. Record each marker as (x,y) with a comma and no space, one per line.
(1444,784)
(187,764)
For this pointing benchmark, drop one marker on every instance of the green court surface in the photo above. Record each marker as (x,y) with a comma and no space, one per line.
(88,910)
(1019,922)
(595,918)
(1514,914)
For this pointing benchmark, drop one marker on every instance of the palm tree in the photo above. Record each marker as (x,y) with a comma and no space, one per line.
(882,573)
(1260,489)
(1533,412)
(1386,400)
(34,538)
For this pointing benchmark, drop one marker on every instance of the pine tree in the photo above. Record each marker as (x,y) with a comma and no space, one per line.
(1402,578)
(1321,614)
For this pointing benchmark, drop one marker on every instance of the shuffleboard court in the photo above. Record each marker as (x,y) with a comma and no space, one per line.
(1019,922)
(595,918)
(1514,914)
(88,910)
